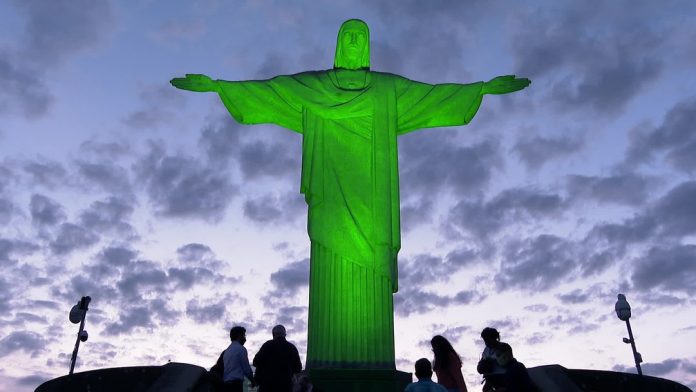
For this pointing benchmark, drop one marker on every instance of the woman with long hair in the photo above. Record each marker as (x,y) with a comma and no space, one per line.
(447,365)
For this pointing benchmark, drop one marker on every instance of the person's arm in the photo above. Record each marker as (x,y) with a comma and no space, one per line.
(259,357)
(297,362)
(246,368)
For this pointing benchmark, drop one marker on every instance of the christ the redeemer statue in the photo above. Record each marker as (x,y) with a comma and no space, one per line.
(350,118)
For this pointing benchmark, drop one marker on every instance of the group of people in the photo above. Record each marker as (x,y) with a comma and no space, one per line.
(278,363)
(500,370)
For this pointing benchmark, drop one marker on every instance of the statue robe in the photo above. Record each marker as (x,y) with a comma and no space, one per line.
(351,186)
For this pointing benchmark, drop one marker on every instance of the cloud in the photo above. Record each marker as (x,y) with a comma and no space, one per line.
(107,175)
(159,102)
(181,186)
(570,323)
(130,319)
(186,278)
(537,338)
(49,174)
(537,151)
(23,318)
(194,252)
(413,299)
(117,256)
(100,287)
(627,188)
(432,38)
(15,247)
(174,31)
(275,209)
(7,175)
(537,308)
(24,90)
(597,56)
(675,139)
(7,210)
(291,278)
(143,277)
(71,237)
(45,211)
(666,269)
(146,314)
(424,269)
(213,312)
(108,216)
(47,41)
(109,151)
(484,219)
(27,341)
(576,296)
(273,159)
(670,217)
(432,160)
(294,318)
(220,140)
(675,212)
(536,264)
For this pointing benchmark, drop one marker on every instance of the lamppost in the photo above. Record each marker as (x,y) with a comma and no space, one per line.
(77,315)
(623,312)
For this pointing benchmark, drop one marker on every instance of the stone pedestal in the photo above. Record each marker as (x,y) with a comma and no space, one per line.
(359,380)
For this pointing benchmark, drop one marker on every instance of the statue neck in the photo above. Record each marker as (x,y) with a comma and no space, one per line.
(349,79)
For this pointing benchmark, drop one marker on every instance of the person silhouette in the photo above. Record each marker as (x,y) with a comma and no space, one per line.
(516,377)
(235,362)
(424,373)
(447,365)
(488,365)
(276,363)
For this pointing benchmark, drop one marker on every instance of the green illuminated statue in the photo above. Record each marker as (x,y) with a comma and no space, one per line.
(350,118)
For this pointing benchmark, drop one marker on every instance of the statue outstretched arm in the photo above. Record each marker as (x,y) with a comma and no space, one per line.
(196,82)
(252,101)
(504,85)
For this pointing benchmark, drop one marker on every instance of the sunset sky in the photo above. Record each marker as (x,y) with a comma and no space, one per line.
(180,223)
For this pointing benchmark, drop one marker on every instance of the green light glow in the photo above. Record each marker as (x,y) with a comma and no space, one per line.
(350,118)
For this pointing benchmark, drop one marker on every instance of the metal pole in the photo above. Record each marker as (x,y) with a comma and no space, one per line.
(77,345)
(633,347)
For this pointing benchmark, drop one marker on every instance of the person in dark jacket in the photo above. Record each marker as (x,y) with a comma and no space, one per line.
(516,377)
(276,363)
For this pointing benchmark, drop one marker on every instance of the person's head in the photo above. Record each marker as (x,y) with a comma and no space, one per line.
(238,334)
(423,369)
(490,336)
(504,354)
(442,349)
(353,45)
(278,331)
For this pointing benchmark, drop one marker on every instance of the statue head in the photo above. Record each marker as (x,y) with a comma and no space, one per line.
(353,45)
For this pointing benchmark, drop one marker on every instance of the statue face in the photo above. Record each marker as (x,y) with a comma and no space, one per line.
(353,39)
(353,45)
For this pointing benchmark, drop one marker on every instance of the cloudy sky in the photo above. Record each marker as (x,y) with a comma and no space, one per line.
(179,223)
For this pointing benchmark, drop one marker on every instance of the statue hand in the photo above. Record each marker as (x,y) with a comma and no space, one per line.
(504,84)
(195,82)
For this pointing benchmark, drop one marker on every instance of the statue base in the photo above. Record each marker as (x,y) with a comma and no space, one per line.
(359,380)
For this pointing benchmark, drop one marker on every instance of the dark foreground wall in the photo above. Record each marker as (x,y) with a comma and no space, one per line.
(556,378)
(181,377)
(172,377)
